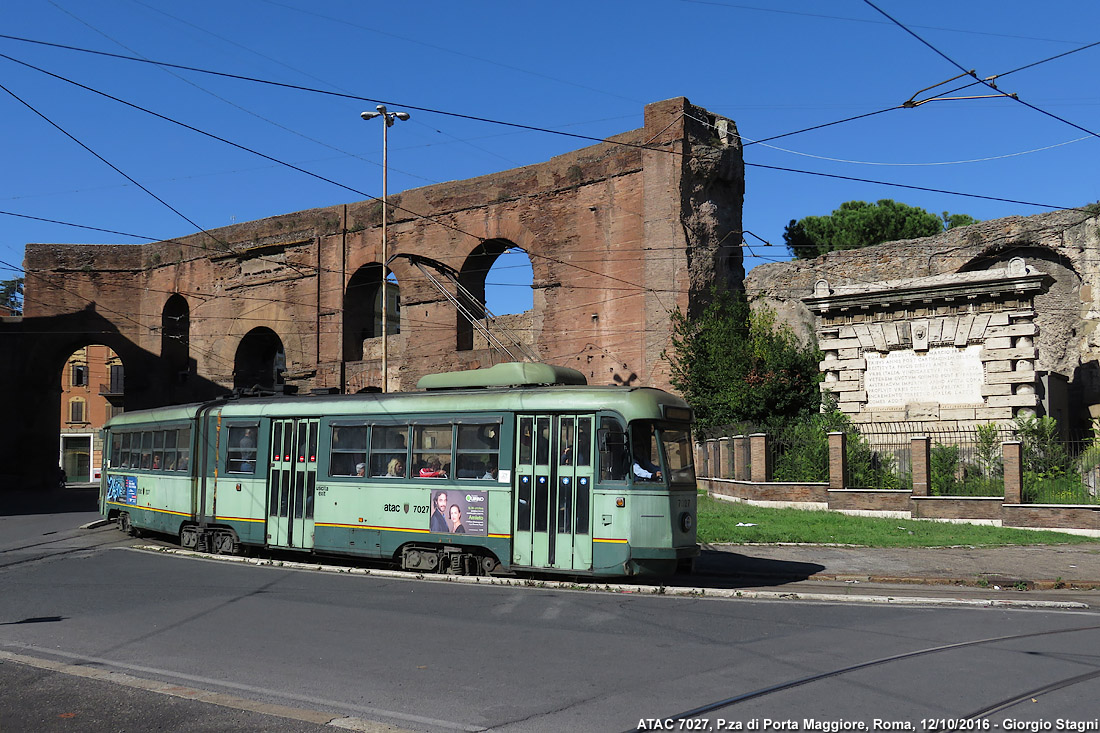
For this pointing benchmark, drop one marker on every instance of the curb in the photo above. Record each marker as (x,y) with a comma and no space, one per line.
(998,583)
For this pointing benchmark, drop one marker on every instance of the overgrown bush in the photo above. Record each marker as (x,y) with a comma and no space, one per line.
(944,470)
(1051,476)
(950,476)
(804,452)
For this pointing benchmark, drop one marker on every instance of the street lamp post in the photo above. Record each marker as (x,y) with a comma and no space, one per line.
(388,118)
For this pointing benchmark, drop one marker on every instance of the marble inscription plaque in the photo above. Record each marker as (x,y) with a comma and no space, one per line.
(945,375)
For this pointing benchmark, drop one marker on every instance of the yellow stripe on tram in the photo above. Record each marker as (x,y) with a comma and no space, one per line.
(150,509)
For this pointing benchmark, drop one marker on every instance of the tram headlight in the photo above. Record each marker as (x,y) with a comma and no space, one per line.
(686,521)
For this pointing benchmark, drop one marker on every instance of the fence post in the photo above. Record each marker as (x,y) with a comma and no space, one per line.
(740,464)
(761,460)
(921,458)
(699,457)
(725,465)
(1014,471)
(838,460)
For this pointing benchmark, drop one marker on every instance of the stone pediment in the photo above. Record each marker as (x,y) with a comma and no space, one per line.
(1017,278)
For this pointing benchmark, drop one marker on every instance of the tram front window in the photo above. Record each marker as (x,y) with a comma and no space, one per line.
(677,445)
(645,457)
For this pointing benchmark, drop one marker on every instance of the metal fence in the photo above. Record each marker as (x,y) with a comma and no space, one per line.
(1059,471)
(965,461)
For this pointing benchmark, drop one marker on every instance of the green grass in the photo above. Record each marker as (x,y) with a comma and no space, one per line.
(718,523)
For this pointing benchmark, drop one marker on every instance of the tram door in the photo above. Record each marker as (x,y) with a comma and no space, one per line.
(553,492)
(292,482)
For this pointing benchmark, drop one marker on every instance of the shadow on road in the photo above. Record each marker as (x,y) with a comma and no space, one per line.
(716,569)
(73,498)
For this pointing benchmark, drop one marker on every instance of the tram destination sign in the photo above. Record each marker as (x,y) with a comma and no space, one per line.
(946,375)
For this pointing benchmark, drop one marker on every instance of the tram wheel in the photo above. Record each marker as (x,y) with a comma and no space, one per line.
(489,564)
(126,526)
(226,542)
(189,538)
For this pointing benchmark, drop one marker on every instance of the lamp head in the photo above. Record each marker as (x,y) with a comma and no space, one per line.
(401,115)
(369,115)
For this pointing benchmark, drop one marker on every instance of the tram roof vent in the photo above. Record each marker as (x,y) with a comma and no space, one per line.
(510,374)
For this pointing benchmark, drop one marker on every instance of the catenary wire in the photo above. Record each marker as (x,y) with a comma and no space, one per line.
(985,82)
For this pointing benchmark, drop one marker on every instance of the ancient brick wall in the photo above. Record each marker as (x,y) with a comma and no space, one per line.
(618,235)
(1062,244)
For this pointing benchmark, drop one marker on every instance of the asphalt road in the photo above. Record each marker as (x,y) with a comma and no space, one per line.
(95,635)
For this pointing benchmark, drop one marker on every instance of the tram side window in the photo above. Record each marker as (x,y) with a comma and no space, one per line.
(575,441)
(349,450)
(614,455)
(240,456)
(147,450)
(121,457)
(389,450)
(183,449)
(478,451)
(170,450)
(526,436)
(583,448)
(542,441)
(134,450)
(158,450)
(432,451)
(307,444)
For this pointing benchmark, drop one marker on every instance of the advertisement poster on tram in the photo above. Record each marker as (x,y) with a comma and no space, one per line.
(460,512)
(122,489)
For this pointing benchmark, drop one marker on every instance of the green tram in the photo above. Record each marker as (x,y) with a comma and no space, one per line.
(519,467)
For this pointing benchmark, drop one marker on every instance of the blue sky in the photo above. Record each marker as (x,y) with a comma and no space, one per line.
(585,68)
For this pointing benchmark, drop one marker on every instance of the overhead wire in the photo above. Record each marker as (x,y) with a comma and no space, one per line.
(471,117)
(543,129)
(742,244)
(342,95)
(987,81)
(276,160)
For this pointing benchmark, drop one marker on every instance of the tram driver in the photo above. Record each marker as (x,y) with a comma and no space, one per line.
(643,468)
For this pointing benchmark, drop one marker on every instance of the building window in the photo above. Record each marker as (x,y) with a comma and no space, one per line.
(76,410)
(80,375)
(118,378)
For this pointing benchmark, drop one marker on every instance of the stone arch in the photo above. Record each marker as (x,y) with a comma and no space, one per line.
(175,334)
(1059,335)
(472,276)
(89,381)
(260,360)
(44,345)
(1062,331)
(506,280)
(363,309)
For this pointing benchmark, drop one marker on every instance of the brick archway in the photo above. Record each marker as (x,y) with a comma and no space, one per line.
(619,234)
